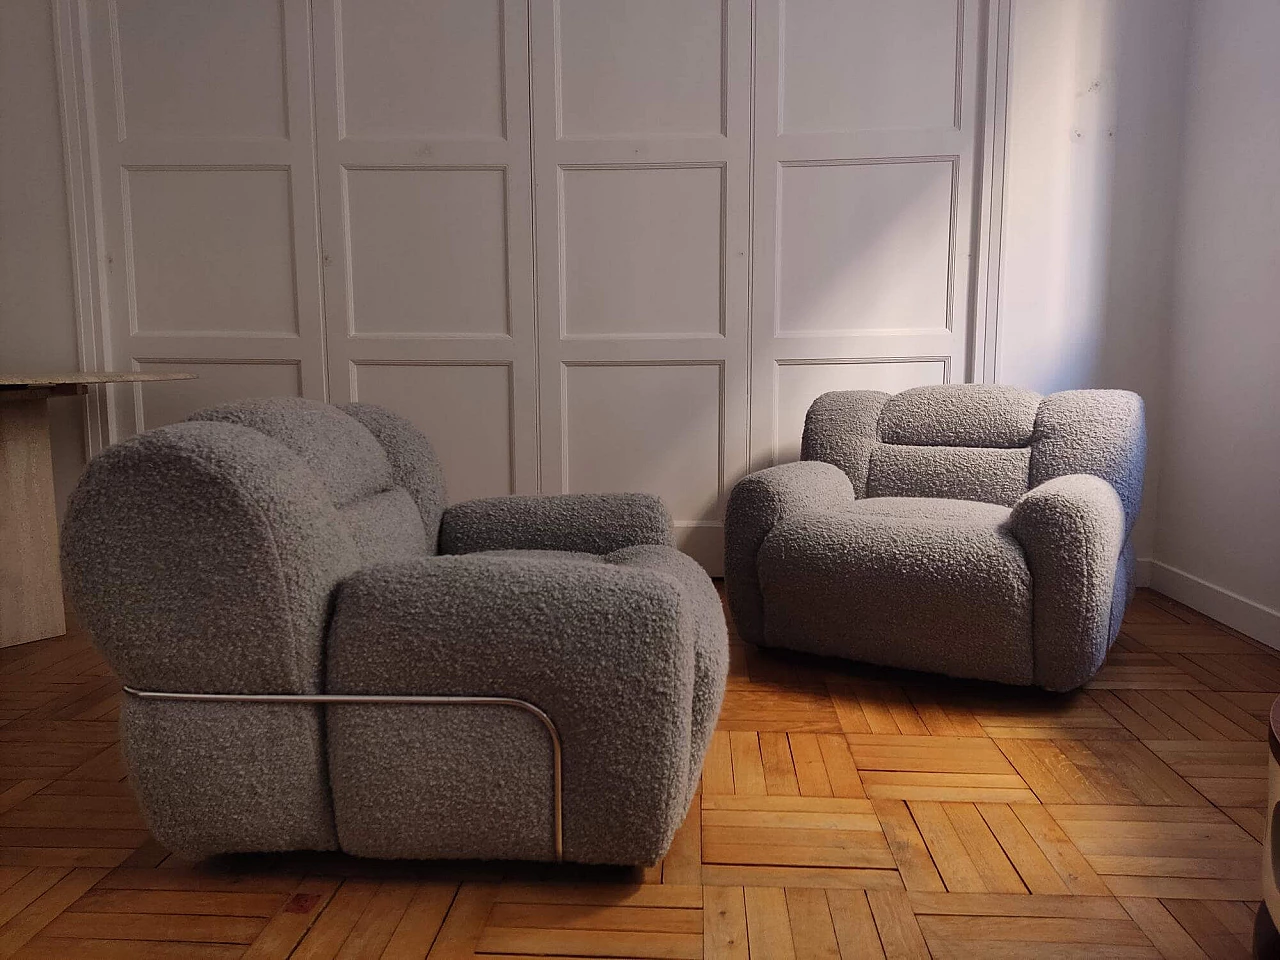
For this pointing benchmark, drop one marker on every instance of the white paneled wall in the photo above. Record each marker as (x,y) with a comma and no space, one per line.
(586,245)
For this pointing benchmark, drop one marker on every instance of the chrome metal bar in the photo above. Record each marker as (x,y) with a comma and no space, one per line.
(370,699)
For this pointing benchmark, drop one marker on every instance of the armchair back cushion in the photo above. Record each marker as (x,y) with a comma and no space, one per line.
(978,441)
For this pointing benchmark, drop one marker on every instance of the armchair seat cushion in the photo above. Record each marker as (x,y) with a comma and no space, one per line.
(914,582)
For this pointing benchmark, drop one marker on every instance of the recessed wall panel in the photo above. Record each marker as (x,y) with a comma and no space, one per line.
(218,381)
(428,251)
(211,251)
(198,69)
(421,69)
(635,68)
(643,251)
(892,67)
(652,428)
(464,410)
(802,382)
(864,246)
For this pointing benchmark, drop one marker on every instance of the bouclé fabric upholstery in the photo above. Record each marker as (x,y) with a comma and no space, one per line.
(972,530)
(292,547)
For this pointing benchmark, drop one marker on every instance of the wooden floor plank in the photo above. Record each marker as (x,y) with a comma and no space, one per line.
(724,928)
(1204,926)
(813,932)
(336,921)
(959,872)
(1029,860)
(855,926)
(842,771)
(748,768)
(810,767)
(562,916)
(848,708)
(717,768)
(26,886)
(909,849)
(779,770)
(281,934)
(464,925)
(1070,864)
(769,924)
(949,929)
(1015,905)
(1162,929)
(144,926)
(900,935)
(993,865)
(61,948)
(683,862)
(1036,771)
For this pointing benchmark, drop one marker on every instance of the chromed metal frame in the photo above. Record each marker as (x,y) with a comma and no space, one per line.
(394,700)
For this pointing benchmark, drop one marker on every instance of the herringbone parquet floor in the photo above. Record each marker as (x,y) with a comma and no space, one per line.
(844,812)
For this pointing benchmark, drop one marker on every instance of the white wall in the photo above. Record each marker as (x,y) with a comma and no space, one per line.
(37,319)
(1218,545)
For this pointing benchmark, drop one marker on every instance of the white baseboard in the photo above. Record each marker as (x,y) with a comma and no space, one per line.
(1251,618)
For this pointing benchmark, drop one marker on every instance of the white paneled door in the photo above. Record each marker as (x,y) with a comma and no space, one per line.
(205,156)
(586,245)
(867,138)
(422,131)
(642,153)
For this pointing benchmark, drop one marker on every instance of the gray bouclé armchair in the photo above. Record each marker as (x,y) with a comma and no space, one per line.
(972,530)
(321,655)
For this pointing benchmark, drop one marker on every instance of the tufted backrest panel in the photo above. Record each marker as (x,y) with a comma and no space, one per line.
(413,463)
(203,556)
(988,474)
(386,527)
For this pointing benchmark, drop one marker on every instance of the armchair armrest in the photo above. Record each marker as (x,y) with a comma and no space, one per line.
(584,522)
(757,503)
(605,649)
(1072,529)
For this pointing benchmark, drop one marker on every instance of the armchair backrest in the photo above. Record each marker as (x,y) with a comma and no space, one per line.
(978,441)
(203,556)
